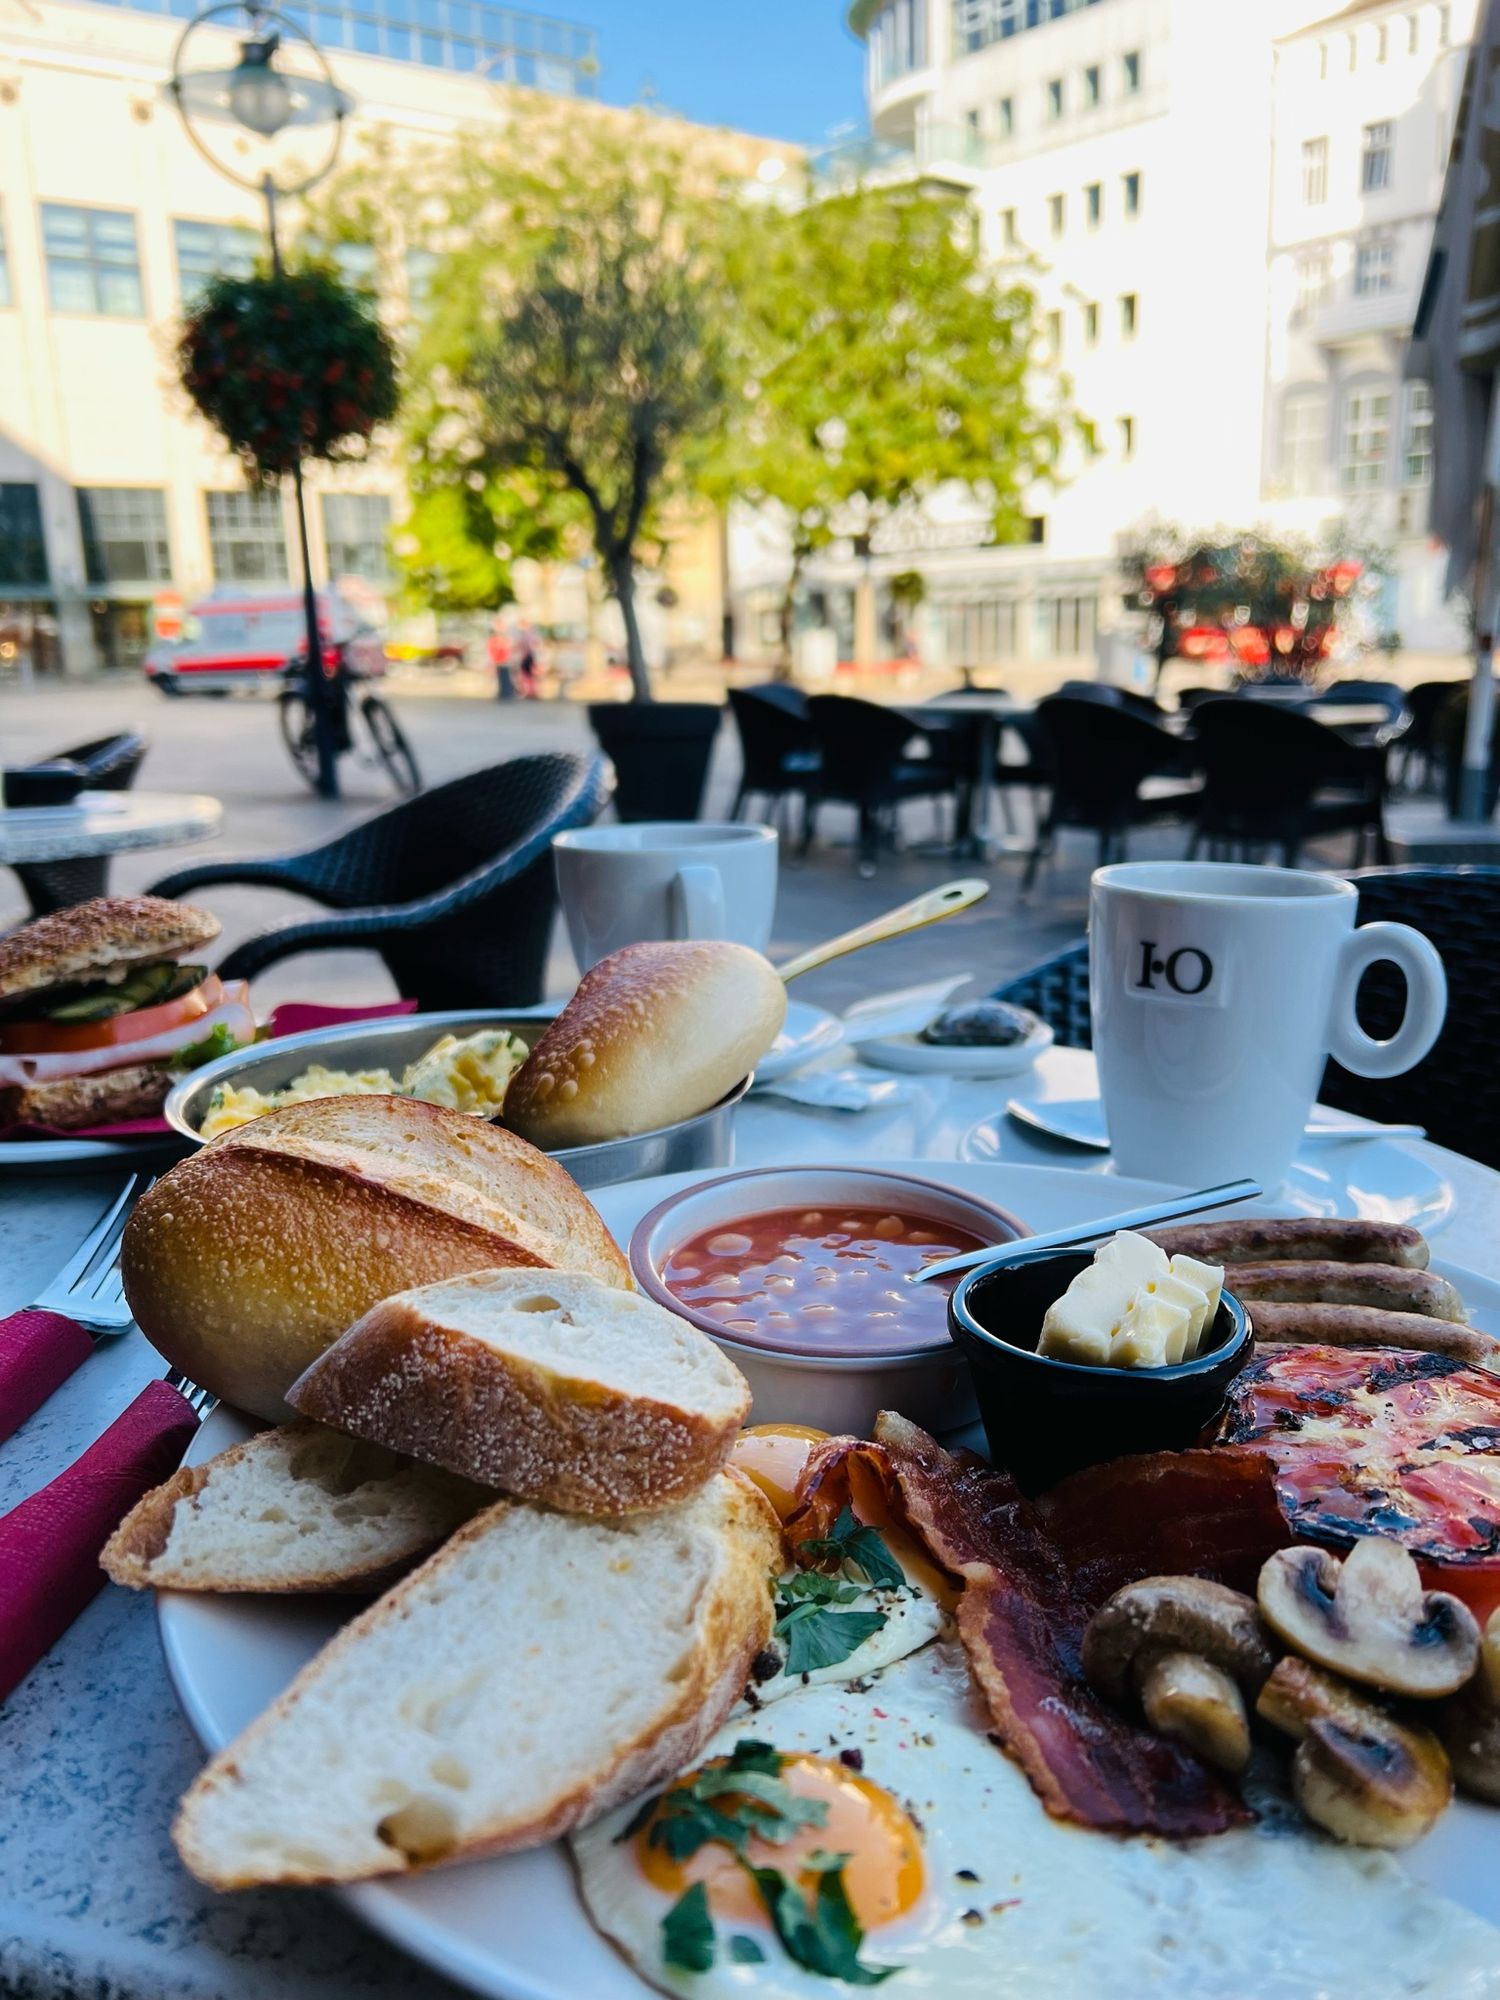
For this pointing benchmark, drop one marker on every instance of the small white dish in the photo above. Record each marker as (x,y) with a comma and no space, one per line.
(919,1058)
(807,1033)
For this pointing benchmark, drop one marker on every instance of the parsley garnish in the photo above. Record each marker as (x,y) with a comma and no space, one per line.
(862,1547)
(816,1635)
(745,1951)
(822,1935)
(687,1932)
(219,1041)
(728,1802)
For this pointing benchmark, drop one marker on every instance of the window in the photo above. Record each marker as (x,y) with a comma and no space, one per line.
(1375,157)
(971,122)
(1127,437)
(1057,214)
(356,263)
(124,534)
(23,552)
(979,634)
(1130,187)
(1304,441)
(1322,62)
(1445,26)
(1129,315)
(1312,281)
(1416,451)
(92,266)
(5,293)
(1382,42)
(1130,72)
(355,527)
(1091,84)
(1374,266)
(1008,228)
(1413,34)
(1314,171)
(977,23)
(1366,439)
(896,41)
(204,249)
(1006,117)
(247,537)
(1351,50)
(1091,324)
(1064,627)
(1093,203)
(1055,98)
(1054,325)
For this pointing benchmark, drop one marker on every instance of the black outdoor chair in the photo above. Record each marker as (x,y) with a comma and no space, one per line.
(109,764)
(778,750)
(1107,771)
(1115,697)
(1364,694)
(865,762)
(969,739)
(1273,778)
(1455,1090)
(1418,758)
(1057,990)
(455,888)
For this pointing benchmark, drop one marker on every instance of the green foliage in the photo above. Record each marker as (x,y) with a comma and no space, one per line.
(458,546)
(288,366)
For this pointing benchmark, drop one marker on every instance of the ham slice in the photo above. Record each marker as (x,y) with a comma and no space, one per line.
(233,1011)
(1021,1619)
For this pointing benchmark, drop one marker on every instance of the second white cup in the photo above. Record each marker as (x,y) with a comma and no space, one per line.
(661,879)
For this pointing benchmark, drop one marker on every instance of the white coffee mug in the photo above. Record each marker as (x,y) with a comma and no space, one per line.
(657,879)
(1218,993)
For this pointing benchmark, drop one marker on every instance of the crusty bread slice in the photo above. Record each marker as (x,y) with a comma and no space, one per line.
(547,1384)
(536,1671)
(295,1508)
(248,1258)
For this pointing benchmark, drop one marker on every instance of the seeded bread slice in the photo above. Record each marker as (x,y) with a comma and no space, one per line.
(535,1672)
(291,1509)
(547,1384)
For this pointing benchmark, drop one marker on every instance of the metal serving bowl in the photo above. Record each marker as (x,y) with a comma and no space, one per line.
(393,1043)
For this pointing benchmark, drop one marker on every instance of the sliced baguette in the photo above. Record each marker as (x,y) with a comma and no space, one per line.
(295,1508)
(544,1383)
(535,1672)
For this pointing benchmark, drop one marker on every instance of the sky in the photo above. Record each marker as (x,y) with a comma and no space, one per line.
(787,69)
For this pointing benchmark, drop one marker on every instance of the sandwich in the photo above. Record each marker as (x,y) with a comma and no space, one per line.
(99,1016)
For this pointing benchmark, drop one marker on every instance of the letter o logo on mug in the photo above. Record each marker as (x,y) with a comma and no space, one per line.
(1218,994)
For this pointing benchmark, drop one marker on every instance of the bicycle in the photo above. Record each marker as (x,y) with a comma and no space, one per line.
(387,739)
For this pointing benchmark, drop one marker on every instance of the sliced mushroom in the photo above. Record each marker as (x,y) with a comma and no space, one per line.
(1175,1614)
(1369,1618)
(1470,1724)
(1198,1704)
(1358,1773)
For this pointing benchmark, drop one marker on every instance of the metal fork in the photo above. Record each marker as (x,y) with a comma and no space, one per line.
(41,1346)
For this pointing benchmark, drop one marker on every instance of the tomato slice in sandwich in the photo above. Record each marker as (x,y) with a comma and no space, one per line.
(47,1038)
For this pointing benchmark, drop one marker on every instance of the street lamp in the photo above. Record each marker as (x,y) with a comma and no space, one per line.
(279,91)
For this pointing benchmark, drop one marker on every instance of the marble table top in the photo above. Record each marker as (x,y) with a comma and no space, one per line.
(94,1904)
(96,823)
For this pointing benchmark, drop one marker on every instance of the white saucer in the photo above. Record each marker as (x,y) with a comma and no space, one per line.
(806,1032)
(911,1053)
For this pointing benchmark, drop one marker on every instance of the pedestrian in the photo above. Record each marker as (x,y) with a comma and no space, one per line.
(526,662)
(498,647)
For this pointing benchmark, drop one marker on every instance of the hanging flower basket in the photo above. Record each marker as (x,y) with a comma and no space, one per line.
(287,367)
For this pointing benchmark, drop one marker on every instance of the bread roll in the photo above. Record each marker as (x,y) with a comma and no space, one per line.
(555,1388)
(539,1669)
(247,1259)
(655,1033)
(291,1509)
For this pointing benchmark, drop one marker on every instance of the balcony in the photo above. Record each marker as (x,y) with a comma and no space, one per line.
(1349,317)
(951,153)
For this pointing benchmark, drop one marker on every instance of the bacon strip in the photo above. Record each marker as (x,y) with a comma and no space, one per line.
(1021,1620)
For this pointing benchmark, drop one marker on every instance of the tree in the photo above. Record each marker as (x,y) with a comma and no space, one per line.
(879,358)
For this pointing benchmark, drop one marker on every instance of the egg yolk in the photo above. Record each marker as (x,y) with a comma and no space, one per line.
(773,1455)
(882,1877)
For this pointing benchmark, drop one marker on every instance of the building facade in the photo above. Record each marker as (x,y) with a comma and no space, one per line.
(1140,159)
(111,490)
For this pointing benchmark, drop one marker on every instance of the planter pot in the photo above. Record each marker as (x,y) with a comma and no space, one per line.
(660,751)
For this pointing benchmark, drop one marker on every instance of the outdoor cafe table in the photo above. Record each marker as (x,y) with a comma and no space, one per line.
(987,711)
(93,1903)
(94,824)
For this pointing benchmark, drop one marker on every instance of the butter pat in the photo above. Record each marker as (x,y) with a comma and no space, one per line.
(1133,1307)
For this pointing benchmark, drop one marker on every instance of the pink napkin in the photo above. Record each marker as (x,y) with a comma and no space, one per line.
(292,1017)
(49,1544)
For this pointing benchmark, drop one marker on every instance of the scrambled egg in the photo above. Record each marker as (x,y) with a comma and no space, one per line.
(468,1073)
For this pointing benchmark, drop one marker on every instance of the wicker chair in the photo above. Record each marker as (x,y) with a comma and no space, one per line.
(865,761)
(455,888)
(1108,768)
(109,764)
(778,750)
(1058,990)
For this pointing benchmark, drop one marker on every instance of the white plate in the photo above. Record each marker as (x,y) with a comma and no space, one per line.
(86,1156)
(911,1053)
(807,1032)
(514,1928)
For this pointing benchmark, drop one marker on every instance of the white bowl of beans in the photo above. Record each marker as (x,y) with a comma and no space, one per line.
(803,1275)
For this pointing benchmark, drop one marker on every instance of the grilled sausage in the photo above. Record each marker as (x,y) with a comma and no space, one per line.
(1387,1287)
(1251,1239)
(1365,1326)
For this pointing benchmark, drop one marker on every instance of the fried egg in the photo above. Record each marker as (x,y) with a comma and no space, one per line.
(960,1880)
